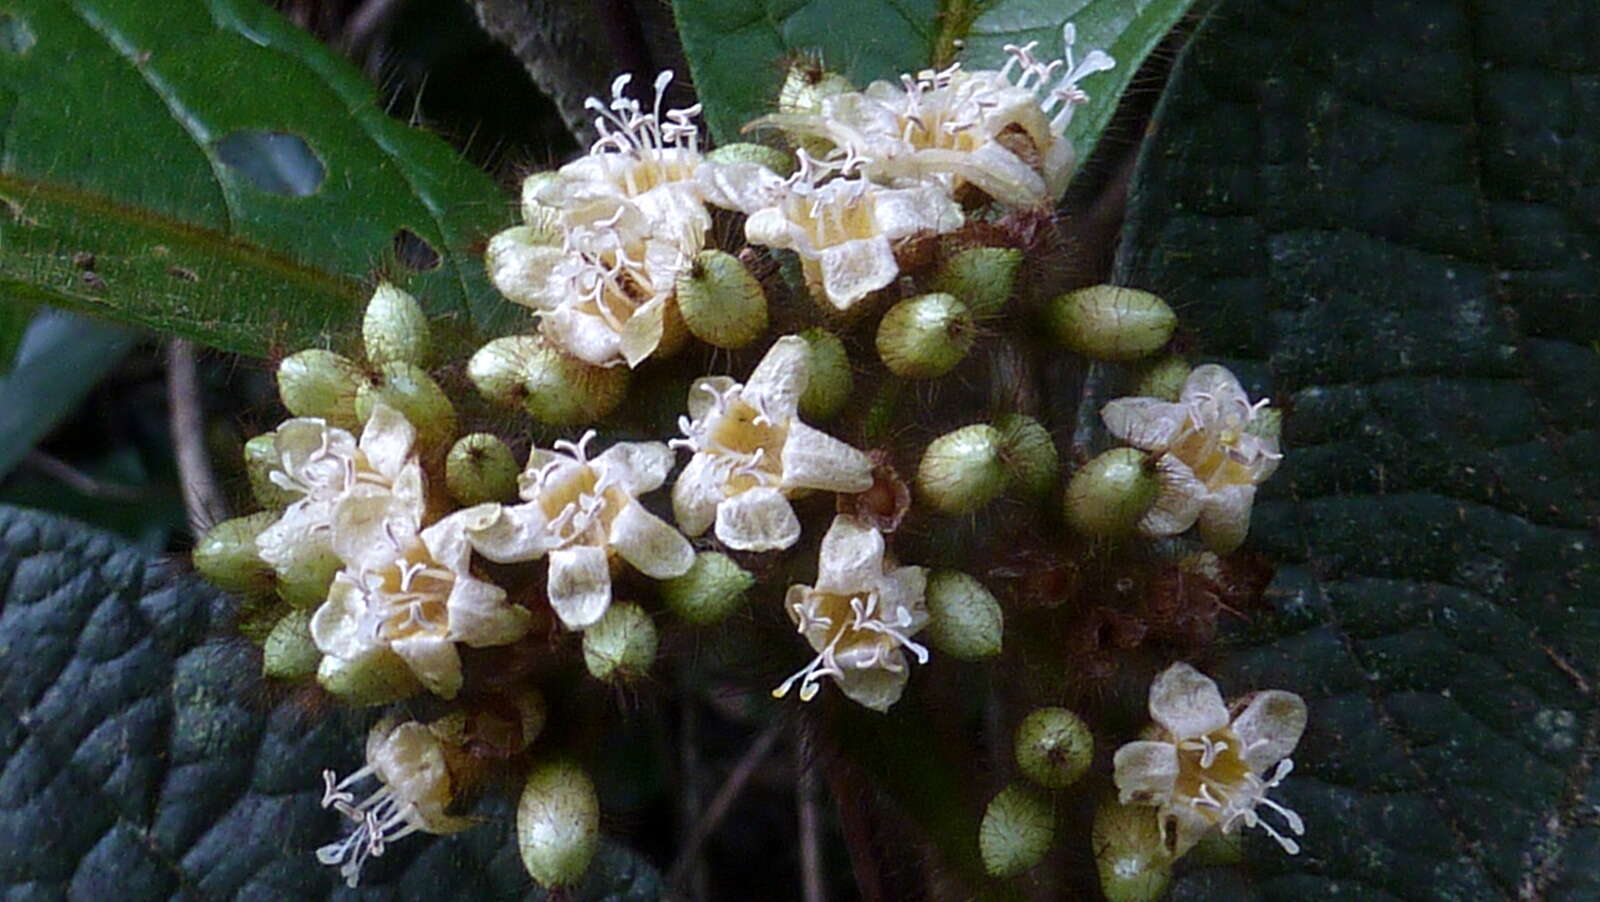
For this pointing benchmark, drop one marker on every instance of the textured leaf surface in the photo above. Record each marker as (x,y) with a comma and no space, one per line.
(205,168)
(141,759)
(1386,217)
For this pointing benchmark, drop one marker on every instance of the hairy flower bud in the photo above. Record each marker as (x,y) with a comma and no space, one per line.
(1133,862)
(831,380)
(227,557)
(1028,453)
(1108,322)
(772,158)
(621,645)
(558,824)
(376,680)
(1053,747)
(926,336)
(962,471)
(480,468)
(553,387)
(712,589)
(1162,378)
(1109,495)
(722,304)
(395,328)
(1017,829)
(409,389)
(982,277)
(289,652)
(964,619)
(318,383)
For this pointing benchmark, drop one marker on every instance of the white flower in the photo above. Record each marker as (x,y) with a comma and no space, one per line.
(1214,452)
(844,229)
(324,465)
(1206,765)
(752,453)
(583,513)
(859,618)
(407,760)
(409,593)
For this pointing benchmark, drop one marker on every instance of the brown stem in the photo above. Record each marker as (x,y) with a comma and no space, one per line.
(201,498)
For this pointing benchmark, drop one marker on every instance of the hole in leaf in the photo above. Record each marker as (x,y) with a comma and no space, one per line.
(276,162)
(15,35)
(414,252)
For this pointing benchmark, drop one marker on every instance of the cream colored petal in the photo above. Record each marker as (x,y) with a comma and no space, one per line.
(579,585)
(336,624)
(506,534)
(1182,826)
(300,439)
(1225,517)
(1186,703)
(1179,501)
(584,336)
(649,543)
(760,519)
(300,534)
(520,268)
(434,660)
(407,488)
(641,334)
(1145,772)
(904,211)
(997,172)
(1270,727)
(874,687)
(746,187)
(851,270)
(637,467)
(696,494)
(770,227)
(851,557)
(781,377)
(704,393)
(1216,382)
(479,615)
(906,587)
(386,440)
(1147,423)
(367,526)
(446,542)
(813,459)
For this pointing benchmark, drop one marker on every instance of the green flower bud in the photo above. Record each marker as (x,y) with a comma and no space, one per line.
(289,653)
(511,260)
(1217,849)
(1054,747)
(760,154)
(480,468)
(1133,863)
(982,277)
(1109,495)
(831,380)
(1017,829)
(1163,378)
(395,329)
(226,555)
(1108,322)
(542,220)
(553,387)
(260,459)
(258,615)
(304,582)
(711,589)
(1028,453)
(621,645)
(377,680)
(806,85)
(558,824)
(722,304)
(411,391)
(318,383)
(962,471)
(964,619)
(926,336)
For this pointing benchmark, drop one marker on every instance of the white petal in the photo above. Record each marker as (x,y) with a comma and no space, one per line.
(479,615)
(1179,501)
(877,688)
(781,377)
(336,625)
(851,557)
(434,660)
(366,526)
(1145,772)
(704,393)
(649,543)
(641,334)
(579,585)
(638,467)
(746,187)
(813,459)
(1218,383)
(901,212)
(696,494)
(770,227)
(1225,517)
(446,542)
(1186,703)
(905,587)
(851,270)
(386,440)
(1270,727)
(1147,423)
(586,337)
(760,519)
(506,534)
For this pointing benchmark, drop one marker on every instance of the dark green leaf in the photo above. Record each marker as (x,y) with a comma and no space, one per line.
(1384,216)
(62,357)
(205,168)
(141,758)
(14,320)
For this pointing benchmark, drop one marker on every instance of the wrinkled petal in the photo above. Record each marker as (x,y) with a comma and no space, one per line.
(505,534)
(851,557)
(1216,383)
(584,336)
(1146,772)
(638,467)
(760,519)
(434,660)
(906,587)
(367,526)
(1186,703)
(1147,423)
(1225,517)
(641,334)
(649,543)
(781,377)
(579,585)
(696,494)
(904,211)
(746,187)
(336,624)
(387,439)
(479,615)
(446,542)
(1178,502)
(874,687)
(851,270)
(813,459)
(1270,727)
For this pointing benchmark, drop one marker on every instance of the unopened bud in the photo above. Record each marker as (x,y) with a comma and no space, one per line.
(1028,453)
(962,471)
(722,304)
(411,391)
(227,557)
(621,645)
(964,619)
(982,277)
(558,824)
(1162,378)
(1108,496)
(806,85)
(1107,322)
(303,580)
(1017,829)
(376,679)
(260,459)
(1133,862)
(480,468)
(395,328)
(553,387)
(830,382)
(925,337)
(711,589)
(759,154)
(289,652)
(318,383)
(1054,747)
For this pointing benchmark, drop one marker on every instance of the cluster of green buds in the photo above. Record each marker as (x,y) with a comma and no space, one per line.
(873,250)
